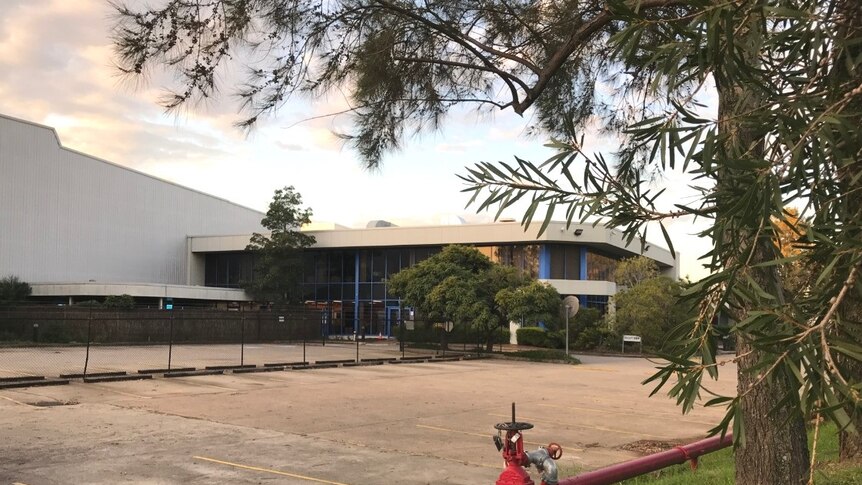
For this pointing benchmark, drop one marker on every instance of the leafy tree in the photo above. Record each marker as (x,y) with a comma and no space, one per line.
(588,330)
(531,303)
(120,302)
(632,271)
(649,309)
(462,286)
(647,302)
(787,75)
(278,255)
(13,290)
(782,105)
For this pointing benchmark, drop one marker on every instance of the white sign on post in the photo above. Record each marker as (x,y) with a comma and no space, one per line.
(631,338)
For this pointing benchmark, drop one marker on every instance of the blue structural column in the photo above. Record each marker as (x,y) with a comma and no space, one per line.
(356,295)
(544,262)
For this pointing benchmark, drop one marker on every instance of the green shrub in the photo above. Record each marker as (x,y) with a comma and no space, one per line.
(533,336)
(120,302)
(544,356)
(13,290)
(557,339)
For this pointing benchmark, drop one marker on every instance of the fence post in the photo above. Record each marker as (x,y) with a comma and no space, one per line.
(170,338)
(357,349)
(401,328)
(242,336)
(89,333)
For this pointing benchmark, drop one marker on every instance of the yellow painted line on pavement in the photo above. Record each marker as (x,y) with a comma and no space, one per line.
(597,428)
(670,416)
(487,435)
(266,470)
(597,369)
(14,400)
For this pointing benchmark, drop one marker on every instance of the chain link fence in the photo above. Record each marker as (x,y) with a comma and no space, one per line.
(438,338)
(76,341)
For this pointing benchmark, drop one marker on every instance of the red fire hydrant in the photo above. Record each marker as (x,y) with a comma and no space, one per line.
(516,459)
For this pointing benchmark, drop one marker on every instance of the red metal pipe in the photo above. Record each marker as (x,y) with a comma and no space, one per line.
(650,463)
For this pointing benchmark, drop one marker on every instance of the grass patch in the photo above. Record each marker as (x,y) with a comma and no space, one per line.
(543,355)
(718,468)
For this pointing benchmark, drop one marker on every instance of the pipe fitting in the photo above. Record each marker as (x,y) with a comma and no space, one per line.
(545,464)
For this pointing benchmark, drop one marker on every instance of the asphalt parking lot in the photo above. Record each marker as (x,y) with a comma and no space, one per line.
(408,424)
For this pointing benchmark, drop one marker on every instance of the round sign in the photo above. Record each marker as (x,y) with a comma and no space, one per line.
(572,305)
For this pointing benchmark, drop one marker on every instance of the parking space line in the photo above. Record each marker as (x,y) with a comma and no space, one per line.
(201,384)
(597,428)
(486,435)
(13,400)
(107,389)
(266,470)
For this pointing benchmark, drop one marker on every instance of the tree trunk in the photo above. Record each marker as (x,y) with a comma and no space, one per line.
(776,446)
(775,449)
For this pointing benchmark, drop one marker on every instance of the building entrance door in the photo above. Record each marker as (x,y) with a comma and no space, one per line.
(393,317)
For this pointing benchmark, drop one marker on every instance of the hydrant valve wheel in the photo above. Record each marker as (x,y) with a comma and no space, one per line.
(513,426)
(555,451)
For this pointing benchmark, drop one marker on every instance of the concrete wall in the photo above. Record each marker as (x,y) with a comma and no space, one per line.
(69,217)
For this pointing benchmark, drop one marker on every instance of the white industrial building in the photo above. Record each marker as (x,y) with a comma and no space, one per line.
(77,227)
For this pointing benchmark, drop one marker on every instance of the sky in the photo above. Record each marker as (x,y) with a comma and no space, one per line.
(57,69)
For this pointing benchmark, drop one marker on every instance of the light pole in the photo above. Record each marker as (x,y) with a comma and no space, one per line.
(567,331)
(572,305)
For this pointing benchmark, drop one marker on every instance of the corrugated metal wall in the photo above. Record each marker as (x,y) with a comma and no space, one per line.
(67,217)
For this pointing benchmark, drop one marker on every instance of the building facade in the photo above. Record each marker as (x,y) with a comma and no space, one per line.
(347,270)
(78,227)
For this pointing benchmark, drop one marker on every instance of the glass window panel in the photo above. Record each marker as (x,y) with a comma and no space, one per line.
(405,258)
(600,267)
(421,254)
(211,270)
(365,291)
(322,292)
(573,263)
(247,268)
(335,291)
(531,260)
(364,266)
(335,266)
(378,291)
(378,266)
(393,263)
(348,292)
(320,268)
(308,266)
(488,251)
(558,261)
(348,266)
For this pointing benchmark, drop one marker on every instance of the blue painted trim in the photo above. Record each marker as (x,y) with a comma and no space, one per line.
(583,275)
(544,262)
(356,295)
